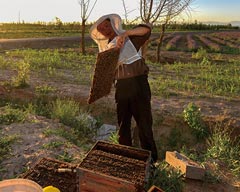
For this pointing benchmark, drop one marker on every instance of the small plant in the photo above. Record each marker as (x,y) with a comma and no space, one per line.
(5,149)
(218,56)
(200,54)
(175,138)
(114,137)
(167,178)
(52,145)
(9,115)
(65,110)
(42,104)
(192,153)
(5,145)
(85,126)
(205,61)
(66,157)
(44,89)
(192,115)
(4,63)
(61,131)
(23,69)
(222,147)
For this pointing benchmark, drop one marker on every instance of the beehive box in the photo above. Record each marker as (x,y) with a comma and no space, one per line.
(114,168)
(189,168)
(59,174)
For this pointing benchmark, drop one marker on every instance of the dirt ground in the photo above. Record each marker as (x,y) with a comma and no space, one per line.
(29,146)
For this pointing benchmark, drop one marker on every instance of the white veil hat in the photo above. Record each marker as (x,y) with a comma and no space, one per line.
(100,39)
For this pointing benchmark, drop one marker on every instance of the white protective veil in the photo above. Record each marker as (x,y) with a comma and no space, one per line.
(128,53)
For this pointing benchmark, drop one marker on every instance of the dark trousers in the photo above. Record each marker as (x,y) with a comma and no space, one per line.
(133,98)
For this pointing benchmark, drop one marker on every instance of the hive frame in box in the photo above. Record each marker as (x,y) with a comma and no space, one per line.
(90,180)
(104,73)
(27,174)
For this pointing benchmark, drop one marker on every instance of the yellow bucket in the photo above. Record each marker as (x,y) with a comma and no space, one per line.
(19,185)
(51,189)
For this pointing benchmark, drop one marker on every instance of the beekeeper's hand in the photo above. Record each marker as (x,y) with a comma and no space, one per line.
(120,40)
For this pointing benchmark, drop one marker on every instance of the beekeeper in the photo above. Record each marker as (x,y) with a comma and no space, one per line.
(133,95)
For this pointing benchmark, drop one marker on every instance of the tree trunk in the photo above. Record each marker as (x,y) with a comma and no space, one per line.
(144,49)
(160,43)
(83,36)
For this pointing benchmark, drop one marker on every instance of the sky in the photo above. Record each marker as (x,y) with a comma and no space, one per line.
(69,10)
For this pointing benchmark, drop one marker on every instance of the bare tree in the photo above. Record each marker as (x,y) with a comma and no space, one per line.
(164,11)
(86,10)
(126,12)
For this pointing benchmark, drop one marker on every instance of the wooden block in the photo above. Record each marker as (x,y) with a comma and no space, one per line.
(104,73)
(114,168)
(189,168)
(155,189)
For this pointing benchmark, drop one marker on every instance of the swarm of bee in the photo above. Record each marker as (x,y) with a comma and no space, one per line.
(104,73)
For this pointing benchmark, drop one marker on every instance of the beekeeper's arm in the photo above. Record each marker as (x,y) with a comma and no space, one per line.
(138,31)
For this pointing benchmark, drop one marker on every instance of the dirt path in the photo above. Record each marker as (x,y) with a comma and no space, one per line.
(35,43)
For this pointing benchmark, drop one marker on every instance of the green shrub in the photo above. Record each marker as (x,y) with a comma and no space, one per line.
(166,178)
(5,145)
(192,115)
(200,54)
(85,126)
(224,148)
(114,137)
(68,113)
(65,110)
(9,115)
(42,104)
(23,70)
(44,89)
(66,157)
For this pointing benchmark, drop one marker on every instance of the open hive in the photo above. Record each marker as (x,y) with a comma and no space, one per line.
(114,168)
(103,74)
(106,167)
(59,174)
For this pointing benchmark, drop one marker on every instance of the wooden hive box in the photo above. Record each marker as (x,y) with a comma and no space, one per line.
(59,174)
(189,168)
(114,168)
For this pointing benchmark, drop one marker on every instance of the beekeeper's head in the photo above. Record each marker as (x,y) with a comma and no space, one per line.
(105,29)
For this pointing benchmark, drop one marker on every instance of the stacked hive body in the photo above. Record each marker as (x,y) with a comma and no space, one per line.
(103,74)
(114,168)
